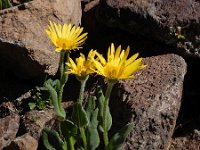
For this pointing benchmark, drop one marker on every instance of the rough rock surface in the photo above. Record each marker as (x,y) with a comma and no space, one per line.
(24,142)
(158,19)
(24,45)
(35,121)
(8,129)
(191,142)
(152,100)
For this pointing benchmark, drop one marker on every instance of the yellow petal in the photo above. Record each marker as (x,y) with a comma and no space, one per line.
(133,67)
(72,64)
(118,52)
(130,60)
(58,49)
(99,67)
(69,26)
(83,36)
(112,52)
(58,29)
(101,58)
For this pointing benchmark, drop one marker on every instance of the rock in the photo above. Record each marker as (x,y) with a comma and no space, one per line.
(176,23)
(152,101)
(24,45)
(7,109)
(8,129)
(24,142)
(88,5)
(35,120)
(191,142)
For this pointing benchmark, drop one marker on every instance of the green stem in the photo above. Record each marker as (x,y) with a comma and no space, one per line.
(82,89)
(83,137)
(66,68)
(63,68)
(105,109)
(69,143)
(69,139)
(63,80)
(60,94)
(61,65)
(63,76)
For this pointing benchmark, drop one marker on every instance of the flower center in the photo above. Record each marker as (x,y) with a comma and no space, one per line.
(111,71)
(64,43)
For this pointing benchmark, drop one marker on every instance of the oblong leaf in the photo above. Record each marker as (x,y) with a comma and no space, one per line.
(79,115)
(52,140)
(101,100)
(93,139)
(91,106)
(68,128)
(118,139)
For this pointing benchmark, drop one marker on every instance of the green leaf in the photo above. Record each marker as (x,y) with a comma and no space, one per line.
(65,146)
(118,139)
(56,85)
(91,106)
(31,105)
(79,115)
(60,112)
(68,128)
(101,100)
(1,5)
(93,139)
(42,104)
(108,119)
(52,140)
(5,4)
(69,131)
(8,4)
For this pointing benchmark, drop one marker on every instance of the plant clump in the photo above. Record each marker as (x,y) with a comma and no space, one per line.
(87,128)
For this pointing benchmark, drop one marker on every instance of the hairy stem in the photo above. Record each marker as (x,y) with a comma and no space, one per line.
(83,137)
(105,109)
(82,89)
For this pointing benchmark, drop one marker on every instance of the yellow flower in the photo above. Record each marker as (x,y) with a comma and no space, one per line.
(83,67)
(66,37)
(117,65)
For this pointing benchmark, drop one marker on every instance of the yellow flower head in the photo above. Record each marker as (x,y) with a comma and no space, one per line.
(66,37)
(83,67)
(117,65)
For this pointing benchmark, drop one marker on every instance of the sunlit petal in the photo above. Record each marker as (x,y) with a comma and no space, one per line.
(83,66)
(67,37)
(130,60)
(117,66)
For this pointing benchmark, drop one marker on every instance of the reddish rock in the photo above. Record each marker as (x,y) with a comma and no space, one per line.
(35,120)
(152,101)
(24,142)
(159,20)
(188,141)
(24,45)
(8,129)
